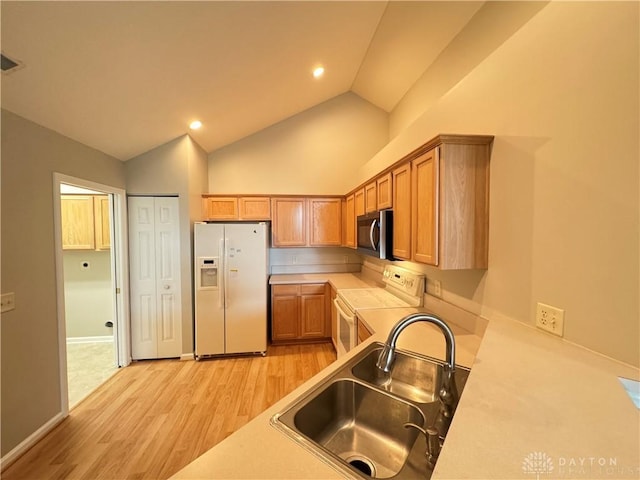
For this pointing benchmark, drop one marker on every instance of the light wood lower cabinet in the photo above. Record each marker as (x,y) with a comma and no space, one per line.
(300,313)
(363,332)
(285,312)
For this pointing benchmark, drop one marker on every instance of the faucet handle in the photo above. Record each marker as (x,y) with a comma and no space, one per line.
(433,442)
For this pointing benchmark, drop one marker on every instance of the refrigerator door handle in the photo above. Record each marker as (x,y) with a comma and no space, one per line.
(222,287)
(226,273)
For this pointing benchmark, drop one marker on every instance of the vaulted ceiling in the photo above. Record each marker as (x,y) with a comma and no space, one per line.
(125,77)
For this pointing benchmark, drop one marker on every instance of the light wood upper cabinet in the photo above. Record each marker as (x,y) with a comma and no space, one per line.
(402,212)
(464,204)
(350,222)
(450,203)
(325,221)
(101,221)
(306,222)
(384,192)
(370,197)
(78,228)
(254,208)
(221,208)
(424,188)
(236,207)
(85,222)
(359,202)
(288,222)
(439,194)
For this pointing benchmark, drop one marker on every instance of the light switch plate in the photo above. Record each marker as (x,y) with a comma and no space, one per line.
(7,302)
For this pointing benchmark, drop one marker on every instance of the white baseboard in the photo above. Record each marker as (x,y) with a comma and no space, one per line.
(30,441)
(100,339)
(187,356)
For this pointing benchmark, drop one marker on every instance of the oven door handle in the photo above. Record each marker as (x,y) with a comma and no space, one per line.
(342,312)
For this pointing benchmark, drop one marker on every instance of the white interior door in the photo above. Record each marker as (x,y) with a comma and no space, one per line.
(167,255)
(156,321)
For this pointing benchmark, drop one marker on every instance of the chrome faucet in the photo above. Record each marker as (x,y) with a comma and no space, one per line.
(447,393)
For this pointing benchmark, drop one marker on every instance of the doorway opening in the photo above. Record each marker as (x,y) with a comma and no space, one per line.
(91,285)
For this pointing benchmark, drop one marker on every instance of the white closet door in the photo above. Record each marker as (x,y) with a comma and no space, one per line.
(169,306)
(154,258)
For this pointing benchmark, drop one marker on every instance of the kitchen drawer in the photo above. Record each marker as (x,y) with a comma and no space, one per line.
(312,289)
(284,289)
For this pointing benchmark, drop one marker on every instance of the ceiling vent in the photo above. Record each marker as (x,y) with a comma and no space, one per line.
(9,65)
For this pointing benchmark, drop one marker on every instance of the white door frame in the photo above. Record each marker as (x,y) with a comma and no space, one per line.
(119,275)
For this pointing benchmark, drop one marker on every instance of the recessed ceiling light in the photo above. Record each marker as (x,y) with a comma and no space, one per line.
(318,72)
(195,125)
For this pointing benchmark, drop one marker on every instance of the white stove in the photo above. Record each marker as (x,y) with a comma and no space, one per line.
(403,288)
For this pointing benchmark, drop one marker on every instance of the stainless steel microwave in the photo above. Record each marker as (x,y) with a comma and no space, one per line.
(374,234)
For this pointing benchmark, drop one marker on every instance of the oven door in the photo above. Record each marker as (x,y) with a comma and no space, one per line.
(346,328)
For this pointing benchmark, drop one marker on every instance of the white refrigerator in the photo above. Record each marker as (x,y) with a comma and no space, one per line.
(231,274)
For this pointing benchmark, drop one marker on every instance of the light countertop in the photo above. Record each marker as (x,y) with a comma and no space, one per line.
(337,280)
(529,396)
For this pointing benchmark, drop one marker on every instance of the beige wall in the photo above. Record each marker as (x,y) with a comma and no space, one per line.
(88,294)
(561,97)
(492,25)
(315,152)
(175,168)
(30,369)
(557,84)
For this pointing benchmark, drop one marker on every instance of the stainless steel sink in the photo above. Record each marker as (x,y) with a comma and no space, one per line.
(414,378)
(345,418)
(354,420)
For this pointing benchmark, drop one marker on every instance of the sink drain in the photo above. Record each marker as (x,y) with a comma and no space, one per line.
(362,465)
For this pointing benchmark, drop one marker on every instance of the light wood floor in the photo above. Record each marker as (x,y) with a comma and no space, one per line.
(154,417)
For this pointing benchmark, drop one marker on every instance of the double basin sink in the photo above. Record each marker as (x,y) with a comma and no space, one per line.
(355,419)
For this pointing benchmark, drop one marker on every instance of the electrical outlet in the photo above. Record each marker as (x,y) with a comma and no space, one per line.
(7,302)
(550,319)
(437,288)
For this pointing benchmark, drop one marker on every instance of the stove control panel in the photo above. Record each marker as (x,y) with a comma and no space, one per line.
(408,282)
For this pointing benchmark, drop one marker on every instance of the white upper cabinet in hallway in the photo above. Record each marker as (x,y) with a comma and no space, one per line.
(154,256)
